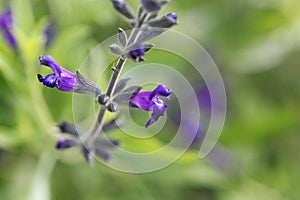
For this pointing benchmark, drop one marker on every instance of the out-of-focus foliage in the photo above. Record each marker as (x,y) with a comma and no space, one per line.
(255,45)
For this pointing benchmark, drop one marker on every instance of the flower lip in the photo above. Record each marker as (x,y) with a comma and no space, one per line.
(49,81)
(50,62)
(161,90)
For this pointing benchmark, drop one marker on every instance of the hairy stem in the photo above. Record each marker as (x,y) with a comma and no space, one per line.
(110,89)
(113,81)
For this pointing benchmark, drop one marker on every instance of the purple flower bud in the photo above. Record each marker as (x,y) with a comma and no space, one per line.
(112,107)
(136,52)
(66,127)
(166,21)
(173,16)
(66,143)
(6,23)
(150,101)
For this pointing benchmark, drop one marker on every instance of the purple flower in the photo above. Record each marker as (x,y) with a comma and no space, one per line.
(6,23)
(63,79)
(150,101)
(49,33)
(136,52)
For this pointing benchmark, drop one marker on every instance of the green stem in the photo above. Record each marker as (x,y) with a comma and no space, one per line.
(97,128)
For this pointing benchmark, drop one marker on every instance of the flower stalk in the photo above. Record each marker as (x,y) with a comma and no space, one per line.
(97,128)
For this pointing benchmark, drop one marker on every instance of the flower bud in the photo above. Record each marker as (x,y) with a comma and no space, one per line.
(103,99)
(123,7)
(112,107)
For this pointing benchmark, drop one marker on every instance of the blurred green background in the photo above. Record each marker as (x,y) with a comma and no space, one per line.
(256,47)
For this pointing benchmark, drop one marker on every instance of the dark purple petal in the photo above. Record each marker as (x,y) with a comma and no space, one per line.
(49,80)
(66,143)
(142,100)
(50,62)
(161,90)
(159,107)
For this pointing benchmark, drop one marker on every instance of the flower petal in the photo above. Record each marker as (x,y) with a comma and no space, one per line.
(50,62)
(161,90)
(66,84)
(159,109)
(142,101)
(49,80)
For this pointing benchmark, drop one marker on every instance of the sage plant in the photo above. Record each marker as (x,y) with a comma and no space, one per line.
(146,25)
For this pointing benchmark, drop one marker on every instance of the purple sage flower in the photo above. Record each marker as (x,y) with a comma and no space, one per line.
(6,24)
(150,101)
(63,79)
(49,33)
(137,52)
